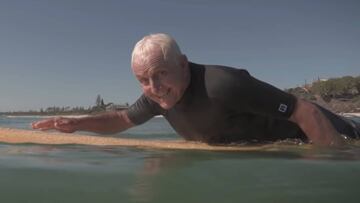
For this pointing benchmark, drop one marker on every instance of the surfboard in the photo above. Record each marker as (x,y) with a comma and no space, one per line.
(16,136)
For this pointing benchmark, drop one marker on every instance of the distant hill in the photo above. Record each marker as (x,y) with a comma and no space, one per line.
(337,94)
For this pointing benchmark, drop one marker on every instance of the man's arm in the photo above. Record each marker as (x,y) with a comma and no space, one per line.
(264,99)
(315,125)
(106,123)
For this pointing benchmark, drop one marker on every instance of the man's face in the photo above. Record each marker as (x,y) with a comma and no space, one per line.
(162,82)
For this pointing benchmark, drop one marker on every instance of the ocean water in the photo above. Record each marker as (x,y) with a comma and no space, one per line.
(78,173)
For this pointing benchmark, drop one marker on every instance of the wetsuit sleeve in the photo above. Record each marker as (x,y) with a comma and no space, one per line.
(143,110)
(264,98)
(243,93)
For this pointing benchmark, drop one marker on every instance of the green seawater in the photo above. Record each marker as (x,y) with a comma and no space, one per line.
(76,173)
(70,173)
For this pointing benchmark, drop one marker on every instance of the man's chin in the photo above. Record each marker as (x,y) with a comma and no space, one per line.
(166,106)
(162,104)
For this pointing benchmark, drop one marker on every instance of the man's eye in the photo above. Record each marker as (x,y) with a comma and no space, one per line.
(163,73)
(144,81)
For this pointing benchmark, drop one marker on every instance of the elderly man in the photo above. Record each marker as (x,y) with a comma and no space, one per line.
(212,104)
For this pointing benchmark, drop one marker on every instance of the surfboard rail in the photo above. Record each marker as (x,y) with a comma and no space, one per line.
(17,136)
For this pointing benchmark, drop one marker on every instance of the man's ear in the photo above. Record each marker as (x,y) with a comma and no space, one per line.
(183,61)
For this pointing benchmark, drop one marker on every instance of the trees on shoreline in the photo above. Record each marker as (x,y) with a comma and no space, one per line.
(99,106)
(345,88)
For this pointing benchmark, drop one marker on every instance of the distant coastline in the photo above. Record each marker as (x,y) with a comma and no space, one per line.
(44,116)
(59,113)
(67,111)
(340,95)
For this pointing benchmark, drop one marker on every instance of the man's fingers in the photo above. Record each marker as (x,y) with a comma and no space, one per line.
(45,124)
(59,123)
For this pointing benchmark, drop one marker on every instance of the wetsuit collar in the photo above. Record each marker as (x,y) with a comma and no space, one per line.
(187,93)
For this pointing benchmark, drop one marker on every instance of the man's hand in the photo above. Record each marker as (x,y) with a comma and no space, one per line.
(105,123)
(315,125)
(66,125)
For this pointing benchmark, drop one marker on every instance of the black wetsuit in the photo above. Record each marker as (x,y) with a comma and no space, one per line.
(224,105)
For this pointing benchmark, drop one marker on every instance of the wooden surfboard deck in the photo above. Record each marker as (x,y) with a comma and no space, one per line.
(16,136)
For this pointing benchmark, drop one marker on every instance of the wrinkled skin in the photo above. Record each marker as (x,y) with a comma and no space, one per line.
(161,81)
(66,125)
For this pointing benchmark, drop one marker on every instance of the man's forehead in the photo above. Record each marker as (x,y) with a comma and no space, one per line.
(149,66)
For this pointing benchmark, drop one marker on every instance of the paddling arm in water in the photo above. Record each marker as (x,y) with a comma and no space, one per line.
(106,123)
(315,124)
(210,103)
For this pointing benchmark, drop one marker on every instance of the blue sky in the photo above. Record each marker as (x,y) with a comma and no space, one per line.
(66,52)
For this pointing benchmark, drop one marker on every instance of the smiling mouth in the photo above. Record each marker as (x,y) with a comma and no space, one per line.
(164,95)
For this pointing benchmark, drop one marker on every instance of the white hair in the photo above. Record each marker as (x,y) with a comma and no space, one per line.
(145,49)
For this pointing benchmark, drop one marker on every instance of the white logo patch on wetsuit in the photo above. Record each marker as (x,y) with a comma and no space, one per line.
(282,108)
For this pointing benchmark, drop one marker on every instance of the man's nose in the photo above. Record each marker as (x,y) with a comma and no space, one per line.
(155,86)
